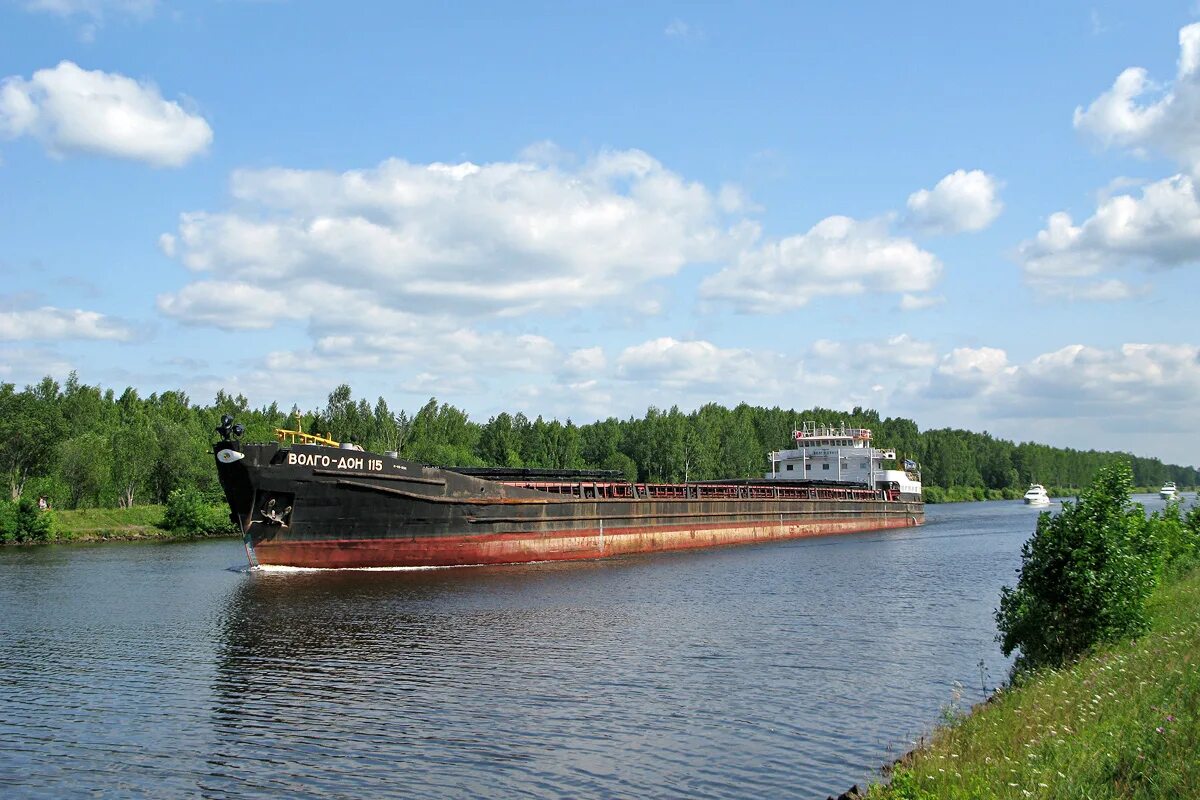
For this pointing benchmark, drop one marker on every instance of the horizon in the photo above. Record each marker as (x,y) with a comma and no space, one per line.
(957,218)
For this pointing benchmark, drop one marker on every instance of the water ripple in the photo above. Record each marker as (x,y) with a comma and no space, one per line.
(784,670)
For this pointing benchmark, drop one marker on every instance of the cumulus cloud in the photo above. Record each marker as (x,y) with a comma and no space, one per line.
(693,363)
(50,323)
(900,352)
(1136,381)
(961,201)
(1158,230)
(838,256)
(1096,382)
(1138,114)
(970,372)
(502,238)
(585,362)
(72,110)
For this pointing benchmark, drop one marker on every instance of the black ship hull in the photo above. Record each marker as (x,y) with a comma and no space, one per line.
(306,505)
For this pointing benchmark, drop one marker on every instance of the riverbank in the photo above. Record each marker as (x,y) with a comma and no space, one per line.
(1123,722)
(114,524)
(934,495)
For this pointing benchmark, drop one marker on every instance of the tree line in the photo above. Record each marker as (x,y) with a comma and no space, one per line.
(86,446)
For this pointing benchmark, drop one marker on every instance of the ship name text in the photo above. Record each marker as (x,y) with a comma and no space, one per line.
(354,463)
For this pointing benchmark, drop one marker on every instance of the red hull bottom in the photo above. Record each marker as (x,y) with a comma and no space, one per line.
(515,548)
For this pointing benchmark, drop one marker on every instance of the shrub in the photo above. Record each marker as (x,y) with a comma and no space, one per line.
(189,513)
(1177,538)
(1084,577)
(23,521)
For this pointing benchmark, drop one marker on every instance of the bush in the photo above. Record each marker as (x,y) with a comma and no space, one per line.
(1084,578)
(189,513)
(23,522)
(1177,538)
(933,494)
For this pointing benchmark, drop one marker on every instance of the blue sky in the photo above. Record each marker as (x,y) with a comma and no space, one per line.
(967,216)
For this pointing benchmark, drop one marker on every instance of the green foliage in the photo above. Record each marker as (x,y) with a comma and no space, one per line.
(24,522)
(189,513)
(1123,722)
(1085,575)
(87,447)
(905,785)
(1176,537)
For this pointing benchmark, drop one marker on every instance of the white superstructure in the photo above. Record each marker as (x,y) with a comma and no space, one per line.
(1168,490)
(842,455)
(1036,496)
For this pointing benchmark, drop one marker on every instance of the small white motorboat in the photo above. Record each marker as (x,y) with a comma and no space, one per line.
(1036,496)
(1168,491)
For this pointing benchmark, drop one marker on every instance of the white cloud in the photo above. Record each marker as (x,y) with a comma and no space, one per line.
(502,238)
(24,365)
(971,372)
(1081,380)
(72,110)
(1167,122)
(1158,230)
(694,363)
(1138,382)
(230,306)
(585,362)
(50,323)
(838,256)
(961,201)
(897,353)
(452,358)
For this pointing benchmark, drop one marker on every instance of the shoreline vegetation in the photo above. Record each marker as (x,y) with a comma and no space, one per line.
(934,495)
(184,517)
(1104,697)
(87,447)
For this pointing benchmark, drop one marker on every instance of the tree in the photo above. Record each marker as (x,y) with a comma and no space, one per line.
(85,464)
(133,449)
(499,442)
(31,427)
(1084,577)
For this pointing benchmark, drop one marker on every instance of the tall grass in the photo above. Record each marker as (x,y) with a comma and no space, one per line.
(1123,722)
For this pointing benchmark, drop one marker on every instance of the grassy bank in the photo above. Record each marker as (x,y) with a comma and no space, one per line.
(1124,722)
(115,524)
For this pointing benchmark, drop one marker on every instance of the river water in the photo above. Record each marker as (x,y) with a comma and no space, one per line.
(784,670)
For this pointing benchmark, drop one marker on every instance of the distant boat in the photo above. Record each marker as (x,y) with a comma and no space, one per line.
(1036,496)
(1168,491)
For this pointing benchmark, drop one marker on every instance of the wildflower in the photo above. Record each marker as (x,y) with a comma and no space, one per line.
(1158,730)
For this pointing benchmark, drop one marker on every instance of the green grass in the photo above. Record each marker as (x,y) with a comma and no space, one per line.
(93,524)
(1124,722)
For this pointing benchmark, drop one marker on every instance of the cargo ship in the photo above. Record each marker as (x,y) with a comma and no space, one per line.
(309,501)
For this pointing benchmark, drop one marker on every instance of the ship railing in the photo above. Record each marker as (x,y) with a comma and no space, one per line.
(600,490)
(300,437)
